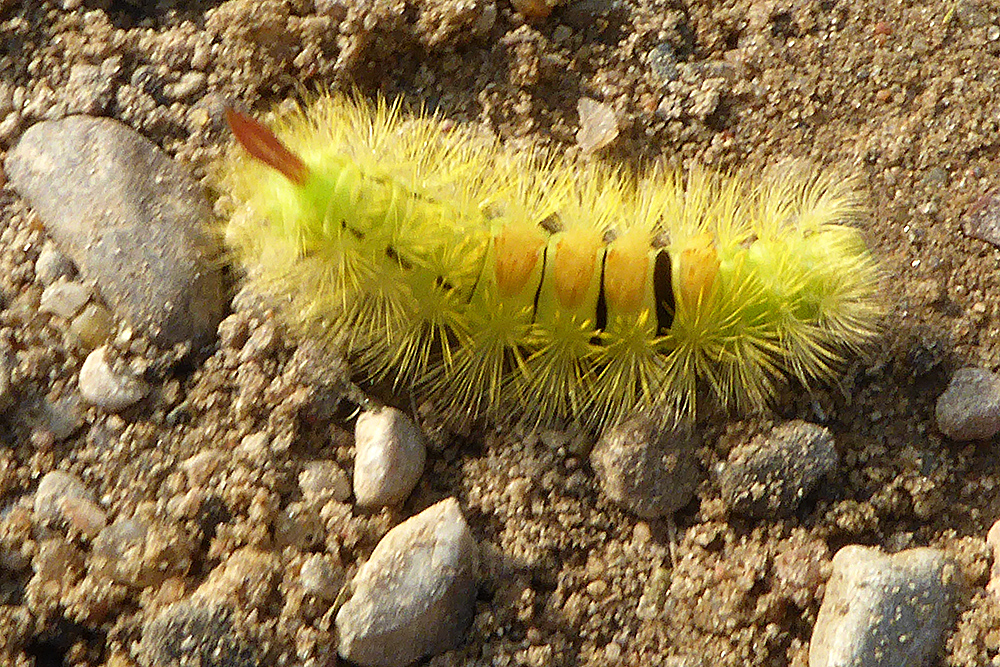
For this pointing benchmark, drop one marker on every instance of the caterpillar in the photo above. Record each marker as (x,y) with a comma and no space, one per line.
(502,282)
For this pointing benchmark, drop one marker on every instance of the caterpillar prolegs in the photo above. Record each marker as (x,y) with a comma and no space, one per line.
(501,282)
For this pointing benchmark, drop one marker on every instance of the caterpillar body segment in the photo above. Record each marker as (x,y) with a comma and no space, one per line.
(506,283)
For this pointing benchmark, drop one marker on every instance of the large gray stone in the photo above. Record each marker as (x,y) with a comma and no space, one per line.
(133,220)
(884,611)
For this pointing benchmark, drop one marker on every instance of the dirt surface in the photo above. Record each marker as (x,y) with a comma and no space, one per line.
(902,93)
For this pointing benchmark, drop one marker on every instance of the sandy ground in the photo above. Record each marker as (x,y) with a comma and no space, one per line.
(902,93)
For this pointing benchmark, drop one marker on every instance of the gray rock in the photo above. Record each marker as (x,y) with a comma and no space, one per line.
(415,596)
(649,472)
(186,634)
(389,457)
(969,409)
(103,386)
(131,219)
(769,476)
(884,611)
(52,265)
(63,416)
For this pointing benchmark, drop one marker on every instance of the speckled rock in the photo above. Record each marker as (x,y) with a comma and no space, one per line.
(969,409)
(415,596)
(649,472)
(103,386)
(884,611)
(769,476)
(129,217)
(389,457)
(187,634)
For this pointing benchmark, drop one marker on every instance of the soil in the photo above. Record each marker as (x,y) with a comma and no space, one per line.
(900,93)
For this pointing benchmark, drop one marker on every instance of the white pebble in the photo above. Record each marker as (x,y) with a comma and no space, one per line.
(598,125)
(389,457)
(102,386)
(416,595)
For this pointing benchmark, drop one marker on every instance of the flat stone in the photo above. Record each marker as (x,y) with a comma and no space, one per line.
(415,596)
(648,471)
(130,218)
(884,611)
(770,475)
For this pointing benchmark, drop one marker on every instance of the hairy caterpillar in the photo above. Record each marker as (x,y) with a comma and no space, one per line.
(501,282)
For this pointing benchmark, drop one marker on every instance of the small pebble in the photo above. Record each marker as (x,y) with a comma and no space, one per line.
(64,299)
(53,491)
(389,457)
(415,596)
(102,386)
(140,552)
(598,125)
(648,472)
(247,579)
(983,219)
(884,611)
(533,10)
(189,633)
(92,326)
(63,416)
(299,526)
(52,265)
(57,561)
(663,62)
(321,481)
(320,577)
(969,409)
(130,218)
(770,475)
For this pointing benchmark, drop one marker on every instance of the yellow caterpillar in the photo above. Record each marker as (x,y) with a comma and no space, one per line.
(505,283)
